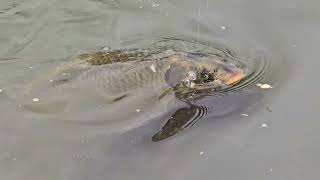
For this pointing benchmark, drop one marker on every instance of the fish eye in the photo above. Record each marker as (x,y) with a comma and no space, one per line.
(205,76)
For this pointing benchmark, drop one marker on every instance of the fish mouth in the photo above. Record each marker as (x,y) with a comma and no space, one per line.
(234,78)
(227,81)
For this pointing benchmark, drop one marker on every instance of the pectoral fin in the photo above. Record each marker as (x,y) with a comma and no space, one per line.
(179,120)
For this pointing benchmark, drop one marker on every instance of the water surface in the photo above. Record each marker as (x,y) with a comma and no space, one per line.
(277,140)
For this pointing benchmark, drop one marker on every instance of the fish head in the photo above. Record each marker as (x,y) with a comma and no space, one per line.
(211,71)
(196,73)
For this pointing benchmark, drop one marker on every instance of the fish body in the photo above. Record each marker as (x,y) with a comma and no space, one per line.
(123,81)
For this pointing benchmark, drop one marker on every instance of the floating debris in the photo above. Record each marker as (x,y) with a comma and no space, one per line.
(50,80)
(84,140)
(268,109)
(64,74)
(153,68)
(86,156)
(1,90)
(35,99)
(264,125)
(244,114)
(264,86)
(30,67)
(14,158)
(138,110)
(269,172)
(223,27)
(201,153)
(155,4)
(294,45)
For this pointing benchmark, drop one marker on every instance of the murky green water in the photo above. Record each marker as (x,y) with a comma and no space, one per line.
(250,133)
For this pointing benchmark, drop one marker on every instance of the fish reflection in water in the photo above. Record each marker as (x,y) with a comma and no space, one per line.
(115,77)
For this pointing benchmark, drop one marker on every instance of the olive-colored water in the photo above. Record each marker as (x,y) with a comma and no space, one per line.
(251,134)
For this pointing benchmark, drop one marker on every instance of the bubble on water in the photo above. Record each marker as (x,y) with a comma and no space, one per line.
(153,68)
(192,75)
(106,48)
